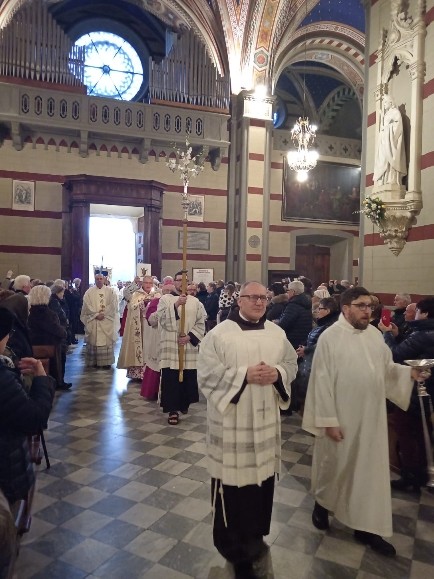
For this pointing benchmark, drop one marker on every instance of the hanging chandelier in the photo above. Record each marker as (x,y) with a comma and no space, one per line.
(303,134)
(302,159)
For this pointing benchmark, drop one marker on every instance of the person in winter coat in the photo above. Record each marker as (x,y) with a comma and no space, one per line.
(45,329)
(202,294)
(296,319)
(327,313)
(44,325)
(408,424)
(21,414)
(279,301)
(19,342)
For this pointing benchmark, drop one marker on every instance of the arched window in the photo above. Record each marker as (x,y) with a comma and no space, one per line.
(112,67)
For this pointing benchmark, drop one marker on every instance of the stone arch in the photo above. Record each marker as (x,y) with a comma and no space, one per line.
(340,47)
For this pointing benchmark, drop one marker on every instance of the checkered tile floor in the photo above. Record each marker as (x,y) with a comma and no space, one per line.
(128,496)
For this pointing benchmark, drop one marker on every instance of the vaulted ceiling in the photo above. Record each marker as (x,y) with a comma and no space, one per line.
(309,52)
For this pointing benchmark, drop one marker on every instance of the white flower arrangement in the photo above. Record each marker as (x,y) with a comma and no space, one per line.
(374,209)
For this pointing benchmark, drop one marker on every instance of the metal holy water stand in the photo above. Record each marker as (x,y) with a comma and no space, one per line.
(189,166)
(425,399)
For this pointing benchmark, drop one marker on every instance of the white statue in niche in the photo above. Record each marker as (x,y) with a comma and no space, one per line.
(390,162)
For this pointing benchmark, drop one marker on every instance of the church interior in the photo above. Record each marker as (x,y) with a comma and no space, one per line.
(100,103)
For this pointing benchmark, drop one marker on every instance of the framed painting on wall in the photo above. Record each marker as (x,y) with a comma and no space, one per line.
(196,207)
(23,195)
(331,194)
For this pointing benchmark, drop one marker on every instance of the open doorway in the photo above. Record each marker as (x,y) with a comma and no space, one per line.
(112,240)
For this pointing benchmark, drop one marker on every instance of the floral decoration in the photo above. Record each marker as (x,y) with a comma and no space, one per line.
(374,209)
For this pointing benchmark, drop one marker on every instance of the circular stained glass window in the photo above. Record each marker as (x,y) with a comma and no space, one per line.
(112,67)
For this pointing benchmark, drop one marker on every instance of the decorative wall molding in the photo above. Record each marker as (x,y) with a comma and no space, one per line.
(108,125)
(402,51)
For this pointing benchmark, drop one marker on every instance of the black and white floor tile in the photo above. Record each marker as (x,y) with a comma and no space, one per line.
(128,496)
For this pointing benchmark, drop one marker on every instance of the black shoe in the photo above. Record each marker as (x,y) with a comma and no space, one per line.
(64,386)
(405,484)
(244,571)
(376,543)
(411,480)
(320,517)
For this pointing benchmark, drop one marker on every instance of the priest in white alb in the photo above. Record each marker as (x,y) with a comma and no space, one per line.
(100,316)
(352,375)
(245,368)
(177,396)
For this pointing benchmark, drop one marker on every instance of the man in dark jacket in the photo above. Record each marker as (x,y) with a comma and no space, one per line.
(21,414)
(296,319)
(408,425)
(400,302)
(211,306)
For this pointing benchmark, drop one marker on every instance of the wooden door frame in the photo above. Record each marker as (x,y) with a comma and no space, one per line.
(340,236)
(79,191)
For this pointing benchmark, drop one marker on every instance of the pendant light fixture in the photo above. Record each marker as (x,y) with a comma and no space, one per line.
(303,134)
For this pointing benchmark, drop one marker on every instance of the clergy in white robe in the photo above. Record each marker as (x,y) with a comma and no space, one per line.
(177,396)
(352,375)
(132,355)
(245,368)
(100,317)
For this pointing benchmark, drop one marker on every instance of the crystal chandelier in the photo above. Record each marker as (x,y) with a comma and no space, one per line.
(302,159)
(303,134)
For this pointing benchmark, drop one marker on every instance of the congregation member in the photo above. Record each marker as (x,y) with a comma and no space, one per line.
(45,329)
(226,300)
(74,301)
(22,285)
(326,314)
(133,346)
(211,306)
(202,294)
(18,345)
(176,395)
(407,425)
(245,367)
(352,374)
(21,414)
(101,321)
(277,302)
(296,320)
(400,301)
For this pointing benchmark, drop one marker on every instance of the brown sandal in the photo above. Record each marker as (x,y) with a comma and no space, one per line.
(173,418)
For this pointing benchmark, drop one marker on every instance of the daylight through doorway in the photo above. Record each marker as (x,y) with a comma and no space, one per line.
(113,240)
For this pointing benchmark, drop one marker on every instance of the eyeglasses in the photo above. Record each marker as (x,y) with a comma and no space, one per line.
(364,307)
(322,309)
(254,298)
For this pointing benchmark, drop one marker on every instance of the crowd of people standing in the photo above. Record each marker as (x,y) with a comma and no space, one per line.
(256,353)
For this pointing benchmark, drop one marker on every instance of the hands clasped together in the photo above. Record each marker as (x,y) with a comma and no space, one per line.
(261,374)
(31,366)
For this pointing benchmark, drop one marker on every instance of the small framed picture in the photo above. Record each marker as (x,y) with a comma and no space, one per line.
(23,195)
(196,207)
(203,274)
